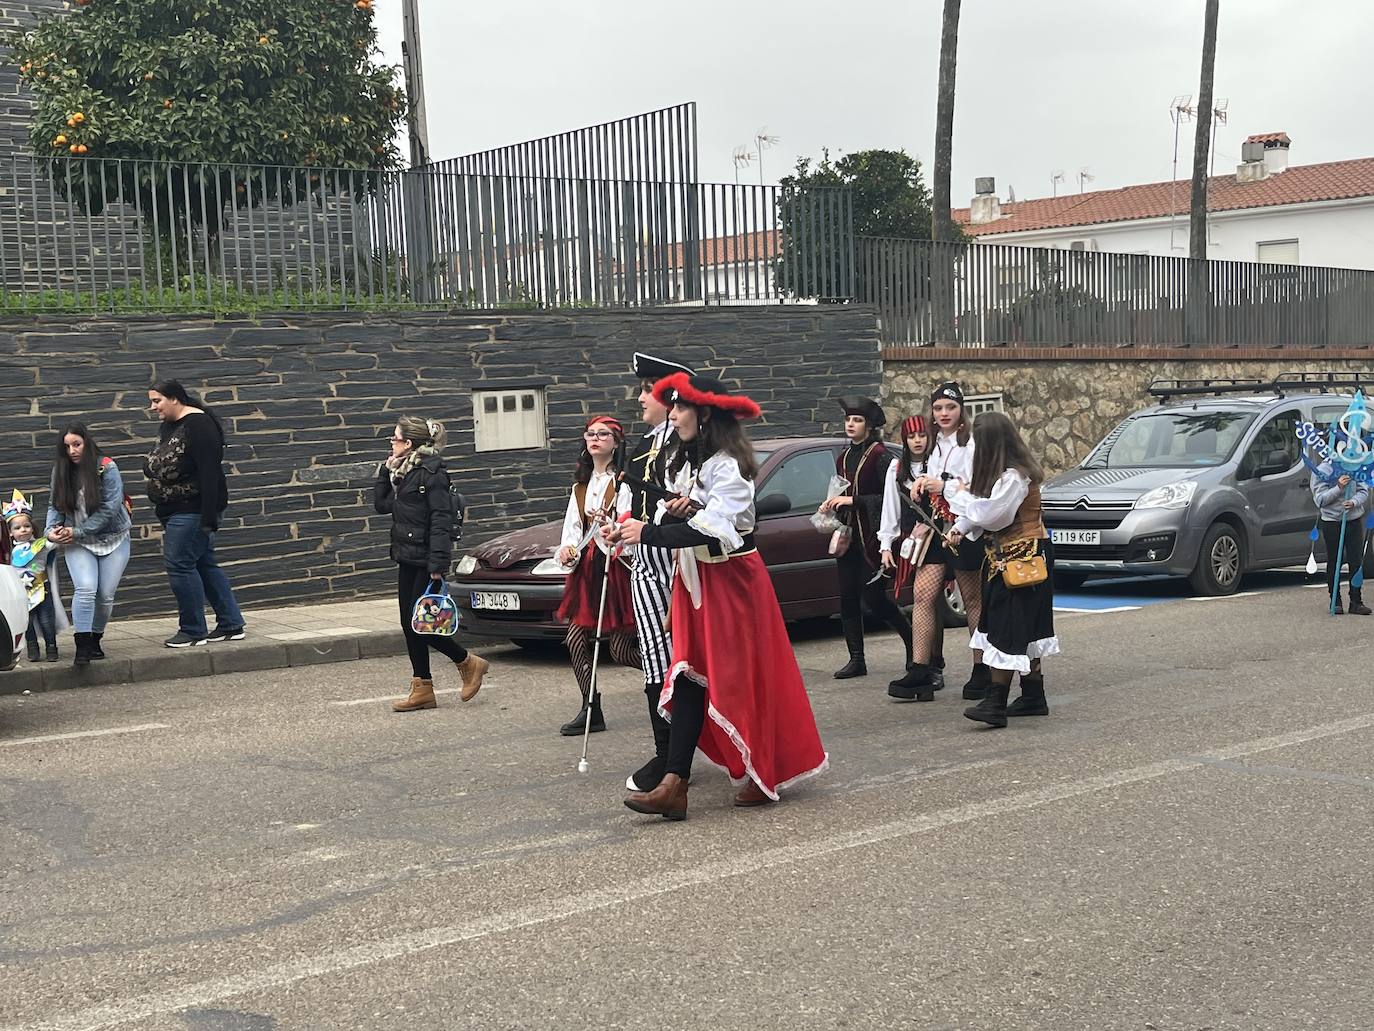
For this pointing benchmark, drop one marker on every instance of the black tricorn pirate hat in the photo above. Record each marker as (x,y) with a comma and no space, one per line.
(865,407)
(652,368)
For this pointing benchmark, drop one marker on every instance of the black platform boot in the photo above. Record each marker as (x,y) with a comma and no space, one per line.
(978,682)
(577,724)
(1032,701)
(916,686)
(854,641)
(992,710)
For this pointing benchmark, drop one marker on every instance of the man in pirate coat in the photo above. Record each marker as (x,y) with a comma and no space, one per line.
(651,577)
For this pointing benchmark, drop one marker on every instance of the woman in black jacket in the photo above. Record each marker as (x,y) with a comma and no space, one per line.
(413,488)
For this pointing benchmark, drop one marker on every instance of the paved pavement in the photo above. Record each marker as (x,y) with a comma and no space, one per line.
(300,635)
(1182,844)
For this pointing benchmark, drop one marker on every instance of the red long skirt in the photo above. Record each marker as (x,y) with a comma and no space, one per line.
(582,593)
(759,723)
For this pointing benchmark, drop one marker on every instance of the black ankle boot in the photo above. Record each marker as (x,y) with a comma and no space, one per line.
(916,686)
(33,651)
(978,683)
(83,649)
(96,652)
(1357,605)
(1032,701)
(854,641)
(937,672)
(992,710)
(577,724)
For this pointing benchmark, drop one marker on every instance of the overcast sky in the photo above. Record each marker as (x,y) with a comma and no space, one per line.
(1043,86)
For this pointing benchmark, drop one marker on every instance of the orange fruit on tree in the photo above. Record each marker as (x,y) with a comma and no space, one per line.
(72,148)
(78,117)
(60,139)
(167,103)
(81,148)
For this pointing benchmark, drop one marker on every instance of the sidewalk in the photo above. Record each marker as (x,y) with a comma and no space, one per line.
(277,638)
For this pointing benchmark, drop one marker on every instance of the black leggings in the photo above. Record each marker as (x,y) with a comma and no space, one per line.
(1354,551)
(856,594)
(411,582)
(689,717)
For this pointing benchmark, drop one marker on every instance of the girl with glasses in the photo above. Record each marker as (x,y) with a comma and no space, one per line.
(595,498)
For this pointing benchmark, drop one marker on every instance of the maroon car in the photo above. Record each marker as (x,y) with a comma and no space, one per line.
(510,586)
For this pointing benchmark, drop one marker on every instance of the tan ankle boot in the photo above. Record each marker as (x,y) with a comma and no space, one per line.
(668,800)
(421,697)
(472,670)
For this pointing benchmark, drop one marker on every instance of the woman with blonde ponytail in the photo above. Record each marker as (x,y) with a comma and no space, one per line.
(413,488)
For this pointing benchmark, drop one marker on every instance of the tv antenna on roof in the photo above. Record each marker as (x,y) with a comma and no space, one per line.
(763,141)
(1056,178)
(1084,177)
(743,157)
(1180,110)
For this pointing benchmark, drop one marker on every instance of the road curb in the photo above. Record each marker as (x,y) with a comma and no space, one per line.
(193,663)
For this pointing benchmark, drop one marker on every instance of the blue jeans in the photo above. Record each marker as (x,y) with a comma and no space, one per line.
(188,554)
(95,578)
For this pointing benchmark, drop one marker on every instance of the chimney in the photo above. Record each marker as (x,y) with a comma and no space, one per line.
(1263,155)
(984,207)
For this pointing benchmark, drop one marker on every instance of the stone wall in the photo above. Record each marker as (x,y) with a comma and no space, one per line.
(309,399)
(1066,399)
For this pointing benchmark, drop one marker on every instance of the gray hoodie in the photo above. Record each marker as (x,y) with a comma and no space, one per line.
(1329,497)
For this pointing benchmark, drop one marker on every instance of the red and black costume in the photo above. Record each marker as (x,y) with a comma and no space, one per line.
(734,690)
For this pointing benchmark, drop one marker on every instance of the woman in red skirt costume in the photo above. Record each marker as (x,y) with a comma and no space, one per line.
(733,690)
(595,498)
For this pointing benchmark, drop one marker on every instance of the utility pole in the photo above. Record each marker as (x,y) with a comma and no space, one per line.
(416,125)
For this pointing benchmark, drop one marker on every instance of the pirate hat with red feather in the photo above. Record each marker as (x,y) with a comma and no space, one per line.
(705,392)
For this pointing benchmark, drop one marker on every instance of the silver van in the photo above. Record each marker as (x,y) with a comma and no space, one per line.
(1207,484)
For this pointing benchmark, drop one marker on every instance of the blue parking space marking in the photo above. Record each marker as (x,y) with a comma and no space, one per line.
(1129,593)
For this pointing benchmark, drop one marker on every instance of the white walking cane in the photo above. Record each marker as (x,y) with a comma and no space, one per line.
(596,659)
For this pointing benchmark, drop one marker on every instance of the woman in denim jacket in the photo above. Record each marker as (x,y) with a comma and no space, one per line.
(88,520)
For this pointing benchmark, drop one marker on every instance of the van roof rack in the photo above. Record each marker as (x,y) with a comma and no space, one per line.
(1322,382)
(1283,383)
(1165,388)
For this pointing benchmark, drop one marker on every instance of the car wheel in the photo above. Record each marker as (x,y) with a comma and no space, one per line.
(541,646)
(1220,562)
(952,606)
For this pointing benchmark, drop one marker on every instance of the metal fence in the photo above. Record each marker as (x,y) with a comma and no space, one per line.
(97,235)
(980,294)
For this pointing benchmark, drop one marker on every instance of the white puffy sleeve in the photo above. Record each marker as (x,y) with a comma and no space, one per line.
(993,512)
(728,502)
(891,523)
(572,524)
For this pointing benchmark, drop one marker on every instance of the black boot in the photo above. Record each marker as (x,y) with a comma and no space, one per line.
(937,672)
(916,686)
(83,649)
(854,641)
(1339,610)
(577,724)
(96,652)
(51,651)
(992,710)
(978,683)
(1032,701)
(1357,605)
(646,778)
(33,651)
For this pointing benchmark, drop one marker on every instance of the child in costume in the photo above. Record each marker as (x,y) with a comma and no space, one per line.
(32,557)
(596,495)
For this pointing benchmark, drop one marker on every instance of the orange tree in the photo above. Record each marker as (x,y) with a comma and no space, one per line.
(187,104)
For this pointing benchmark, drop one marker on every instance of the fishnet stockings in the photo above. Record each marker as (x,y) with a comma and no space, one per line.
(925,623)
(623,646)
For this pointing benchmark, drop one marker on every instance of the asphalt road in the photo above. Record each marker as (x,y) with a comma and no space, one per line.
(1183,844)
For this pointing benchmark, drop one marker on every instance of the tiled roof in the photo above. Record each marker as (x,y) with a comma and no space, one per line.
(1335,180)
(1268,137)
(729,250)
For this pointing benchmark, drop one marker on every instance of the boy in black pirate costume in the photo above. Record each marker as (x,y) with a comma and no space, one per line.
(651,577)
(864,464)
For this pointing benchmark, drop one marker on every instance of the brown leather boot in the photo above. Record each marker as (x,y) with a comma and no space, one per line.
(751,795)
(472,670)
(421,697)
(668,800)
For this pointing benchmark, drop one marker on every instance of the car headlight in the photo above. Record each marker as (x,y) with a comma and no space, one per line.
(550,567)
(1171,495)
(467,565)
